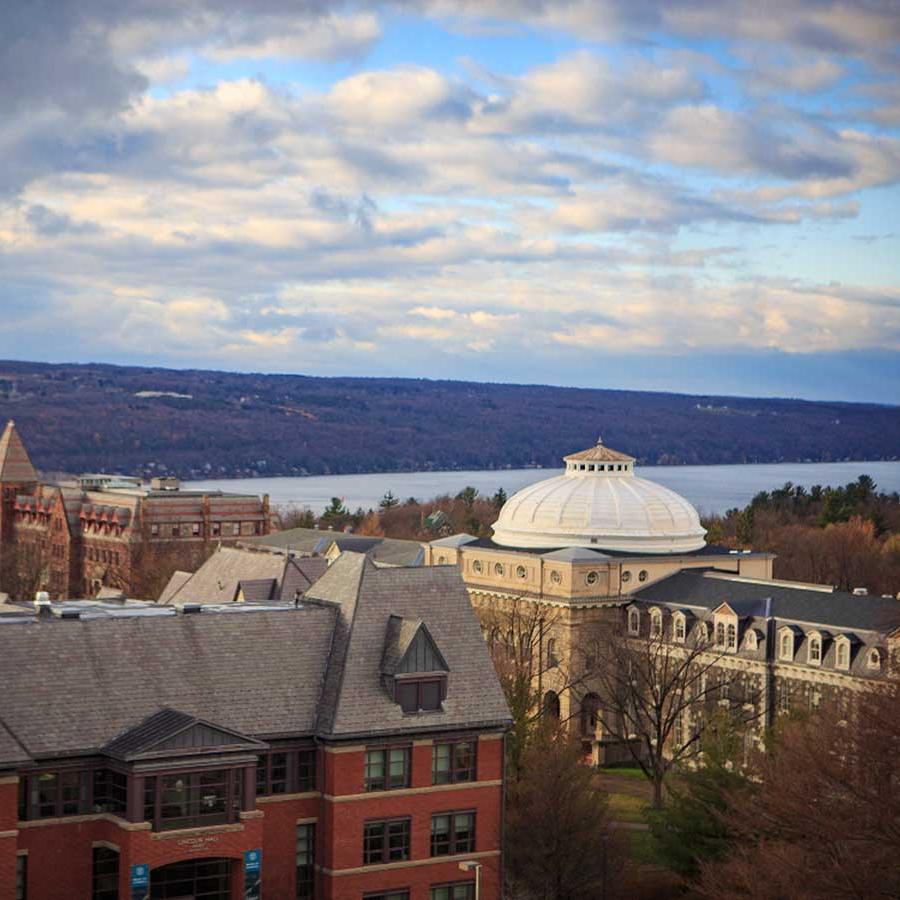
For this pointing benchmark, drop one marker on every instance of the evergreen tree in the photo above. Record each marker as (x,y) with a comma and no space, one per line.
(499,498)
(388,501)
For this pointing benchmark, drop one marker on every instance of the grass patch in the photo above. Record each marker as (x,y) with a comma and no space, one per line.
(624,771)
(626,808)
(644,849)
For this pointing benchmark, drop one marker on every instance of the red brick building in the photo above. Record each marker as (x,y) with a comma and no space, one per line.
(88,534)
(347,748)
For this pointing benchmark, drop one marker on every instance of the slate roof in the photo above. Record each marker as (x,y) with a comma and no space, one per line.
(220,577)
(71,687)
(15,466)
(354,700)
(792,603)
(384,551)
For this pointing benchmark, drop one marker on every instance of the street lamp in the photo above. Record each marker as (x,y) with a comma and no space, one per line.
(469,866)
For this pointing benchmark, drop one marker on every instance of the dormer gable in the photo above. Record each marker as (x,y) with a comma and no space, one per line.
(170,731)
(725,635)
(413,669)
(788,637)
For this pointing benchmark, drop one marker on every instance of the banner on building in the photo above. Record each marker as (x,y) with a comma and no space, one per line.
(140,882)
(252,874)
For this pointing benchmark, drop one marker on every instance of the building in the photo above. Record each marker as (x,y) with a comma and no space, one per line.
(597,546)
(76,537)
(383,551)
(235,574)
(347,747)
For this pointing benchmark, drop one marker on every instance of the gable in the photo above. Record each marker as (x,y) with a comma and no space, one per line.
(422,654)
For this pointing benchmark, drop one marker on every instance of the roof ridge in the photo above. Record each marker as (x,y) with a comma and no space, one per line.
(15,464)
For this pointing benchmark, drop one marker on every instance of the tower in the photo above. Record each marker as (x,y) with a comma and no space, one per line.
(16,474)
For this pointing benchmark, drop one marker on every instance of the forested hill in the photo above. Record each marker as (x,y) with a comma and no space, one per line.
(142,420)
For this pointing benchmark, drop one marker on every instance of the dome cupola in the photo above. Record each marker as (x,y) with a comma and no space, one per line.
(599,502)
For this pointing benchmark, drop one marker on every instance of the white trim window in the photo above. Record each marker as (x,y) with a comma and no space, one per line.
(842,654)
(634,621)
(679,627)
(656,623)
(786,645)
(814,651)
(873,659)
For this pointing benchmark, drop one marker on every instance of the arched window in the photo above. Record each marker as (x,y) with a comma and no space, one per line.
(590,707)
(626,577)
(656,623)
(551,653)
(643,575)
(732,637)
(477,566)
(634,621)
(679,629)
(843,655)
(815,650)
(874,659)
(786,648)
(520,571)
(498,568)
(720,634)
(551,705)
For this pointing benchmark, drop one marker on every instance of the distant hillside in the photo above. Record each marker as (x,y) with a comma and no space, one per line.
(195,423)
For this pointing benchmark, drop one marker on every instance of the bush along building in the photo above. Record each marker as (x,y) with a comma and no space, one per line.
(598,568)
(348,746)
(72,538)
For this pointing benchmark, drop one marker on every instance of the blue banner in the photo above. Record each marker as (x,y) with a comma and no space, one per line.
(252,874)
(140,882)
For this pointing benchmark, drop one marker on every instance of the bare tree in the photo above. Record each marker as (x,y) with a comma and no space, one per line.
(23,570)
(560,843)
(824,820)
(656,688)
(522,636)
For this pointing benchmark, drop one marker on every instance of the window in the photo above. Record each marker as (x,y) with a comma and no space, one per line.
(452,833)
(306,770)
(286,772)
(874,659)
(552,659)
(592,578)
(590,715)
(498,568)
(110,792)
(452,763)
(462,890)
(555,577)
(105,876)
(386,841)
(216,529)
(642,575)
(442,560)
(191,799)
(626,577)
(236,528)
(786,646)
(815,650)
(306,862)
(551,704)
(22,877)
(477,566)
(176,531)
(634,621)
(751,639)
(656,623)
(720,634)
(387,768)
(154,530)
(843,655)
(520,572)
(195,528)
(392,895)
(419,694)
(731,636)
(679,629)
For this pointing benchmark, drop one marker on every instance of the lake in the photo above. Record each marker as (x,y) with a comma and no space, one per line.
(712,489)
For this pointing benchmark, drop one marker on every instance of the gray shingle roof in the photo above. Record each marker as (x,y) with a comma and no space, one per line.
(835,609)
(71,687)
(354,701)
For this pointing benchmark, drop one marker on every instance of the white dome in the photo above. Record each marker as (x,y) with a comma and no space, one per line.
(600,503)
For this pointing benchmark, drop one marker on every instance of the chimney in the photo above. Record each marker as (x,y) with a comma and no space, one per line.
(42,606)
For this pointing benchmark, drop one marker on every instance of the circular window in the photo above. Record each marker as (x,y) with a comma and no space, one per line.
(642,575)
(592,578)
(555,577)
(626,576)
(520,571)
(441,560)
(498,568)
(477,565)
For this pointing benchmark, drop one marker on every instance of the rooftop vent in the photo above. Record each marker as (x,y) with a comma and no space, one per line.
(70,613)
(191,609)
(42,608)
(860,592)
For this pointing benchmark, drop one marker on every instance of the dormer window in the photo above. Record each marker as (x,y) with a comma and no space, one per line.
(413,668)
(656,623)
(874,659)
(731,636)
(634,621)
(815,650)
(680,628)
(720,634)
(786,646)
(842,654)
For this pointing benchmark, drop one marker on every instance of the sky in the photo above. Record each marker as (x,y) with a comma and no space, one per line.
(677,195)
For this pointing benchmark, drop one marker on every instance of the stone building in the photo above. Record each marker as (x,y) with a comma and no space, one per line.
(347,747)
(82,535)
(598,546)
